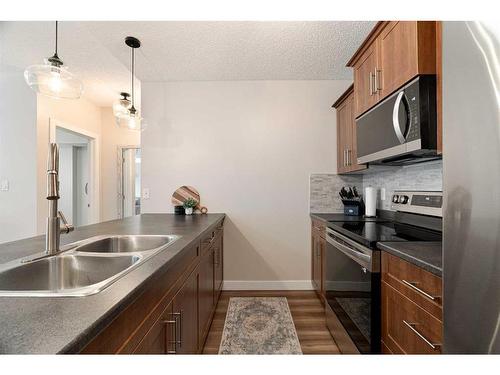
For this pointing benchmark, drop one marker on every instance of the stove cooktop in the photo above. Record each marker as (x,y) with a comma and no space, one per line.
(371,232)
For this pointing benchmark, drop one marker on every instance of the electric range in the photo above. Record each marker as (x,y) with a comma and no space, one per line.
(352,265)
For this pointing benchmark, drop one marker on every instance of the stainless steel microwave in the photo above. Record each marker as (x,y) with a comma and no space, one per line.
(402,129)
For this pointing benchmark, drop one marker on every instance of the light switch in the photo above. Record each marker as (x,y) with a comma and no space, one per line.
(4,185)
(145,193)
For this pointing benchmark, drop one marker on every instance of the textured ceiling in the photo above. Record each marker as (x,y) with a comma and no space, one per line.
(103,75)
(187,51)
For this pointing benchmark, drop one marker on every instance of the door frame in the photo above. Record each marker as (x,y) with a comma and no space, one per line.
(94,163)
(119,174)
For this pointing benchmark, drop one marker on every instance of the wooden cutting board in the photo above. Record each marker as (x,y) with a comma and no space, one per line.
(183,193)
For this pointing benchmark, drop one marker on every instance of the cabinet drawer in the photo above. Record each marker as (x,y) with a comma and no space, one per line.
(422,287)
(407,328)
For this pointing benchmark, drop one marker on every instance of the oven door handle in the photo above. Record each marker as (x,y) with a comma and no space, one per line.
(361,258)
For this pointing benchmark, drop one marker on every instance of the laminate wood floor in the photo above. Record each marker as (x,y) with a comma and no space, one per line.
(307,313)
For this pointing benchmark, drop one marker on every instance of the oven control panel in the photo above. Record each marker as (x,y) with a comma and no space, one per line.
(419,202)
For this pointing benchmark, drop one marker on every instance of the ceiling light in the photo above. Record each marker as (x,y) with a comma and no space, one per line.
(131,118)
(122,105)
(52,79)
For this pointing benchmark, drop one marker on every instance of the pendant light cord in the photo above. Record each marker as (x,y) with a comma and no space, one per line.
(133,77)
(56,39)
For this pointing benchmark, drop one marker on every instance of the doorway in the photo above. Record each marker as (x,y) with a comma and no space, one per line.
(129,197)
(77,173)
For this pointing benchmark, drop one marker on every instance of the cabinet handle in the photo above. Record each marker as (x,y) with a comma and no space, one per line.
(178,321)
(415,288)
(424,339)
(377,80)
(348,157)
(371,84)
(174,325)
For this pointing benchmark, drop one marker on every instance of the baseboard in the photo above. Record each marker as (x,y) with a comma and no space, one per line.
(267,285)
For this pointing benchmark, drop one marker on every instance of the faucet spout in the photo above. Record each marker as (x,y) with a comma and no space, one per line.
(54,229)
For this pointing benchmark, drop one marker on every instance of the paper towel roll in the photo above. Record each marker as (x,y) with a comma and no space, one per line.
(370,201)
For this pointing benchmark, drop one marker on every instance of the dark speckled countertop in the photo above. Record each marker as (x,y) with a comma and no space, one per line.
(426,255)
(49,325)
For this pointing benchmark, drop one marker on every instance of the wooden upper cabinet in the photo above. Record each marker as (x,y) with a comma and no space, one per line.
(346,134)
(392,54)
(365,95)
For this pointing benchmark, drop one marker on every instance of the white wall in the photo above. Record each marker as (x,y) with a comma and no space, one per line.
(249,148)
(17,155)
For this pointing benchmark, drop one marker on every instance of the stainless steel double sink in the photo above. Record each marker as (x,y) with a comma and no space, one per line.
(82,268)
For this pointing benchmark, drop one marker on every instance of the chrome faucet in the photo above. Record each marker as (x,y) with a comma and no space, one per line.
(54,228)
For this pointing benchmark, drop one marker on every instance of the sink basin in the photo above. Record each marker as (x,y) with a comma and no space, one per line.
(125,244)
(60,274)
(83,268)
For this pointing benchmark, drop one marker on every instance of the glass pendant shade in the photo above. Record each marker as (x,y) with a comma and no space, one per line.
(131,120)
(54,81)
(122,106)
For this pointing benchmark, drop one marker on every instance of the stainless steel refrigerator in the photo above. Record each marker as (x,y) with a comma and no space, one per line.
(471,184)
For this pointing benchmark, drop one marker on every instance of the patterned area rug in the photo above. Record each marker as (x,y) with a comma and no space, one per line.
(259,325)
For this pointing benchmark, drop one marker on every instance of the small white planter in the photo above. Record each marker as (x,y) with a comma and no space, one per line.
(189,211)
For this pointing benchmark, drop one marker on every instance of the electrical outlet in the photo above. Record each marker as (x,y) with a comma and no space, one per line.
(4,185)
(382,194)
(145,193)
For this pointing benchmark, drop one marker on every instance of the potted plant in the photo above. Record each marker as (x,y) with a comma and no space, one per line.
(189,205)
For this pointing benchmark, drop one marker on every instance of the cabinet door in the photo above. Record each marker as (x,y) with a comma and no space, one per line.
(185,310)
(218,267)
(398,56)
(364,75)
(352,152)
(160,339)
(205,293)
(343,139)
(316,261)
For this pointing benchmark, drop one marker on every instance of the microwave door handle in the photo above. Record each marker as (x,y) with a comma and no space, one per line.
(395,118)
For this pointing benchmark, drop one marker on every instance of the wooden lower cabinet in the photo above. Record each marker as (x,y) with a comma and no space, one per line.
(205,293)
(160,339)
(185,314)
(411,308)
(318,247)
(174,313)
(218,268)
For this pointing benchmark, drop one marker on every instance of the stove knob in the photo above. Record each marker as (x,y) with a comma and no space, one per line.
(395,198)
(403,199)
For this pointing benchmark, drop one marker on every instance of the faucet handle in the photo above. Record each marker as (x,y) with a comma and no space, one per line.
(66,228)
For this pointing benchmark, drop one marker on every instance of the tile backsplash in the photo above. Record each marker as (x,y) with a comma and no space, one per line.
(324,191)
(324,188)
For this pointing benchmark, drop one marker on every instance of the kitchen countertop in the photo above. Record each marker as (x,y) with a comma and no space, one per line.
(45,325)
(426,255)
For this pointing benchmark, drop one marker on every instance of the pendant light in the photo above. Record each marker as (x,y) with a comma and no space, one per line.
(52,79)
(131,118)
(122,105)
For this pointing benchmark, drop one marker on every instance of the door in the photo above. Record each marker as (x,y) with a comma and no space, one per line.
(218,267)
(131,181)
(398,56)
(160,339)
(81,175)
(364,80)
(205,292)
(185,310)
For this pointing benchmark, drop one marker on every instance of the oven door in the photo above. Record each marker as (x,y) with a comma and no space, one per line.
(352,292)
